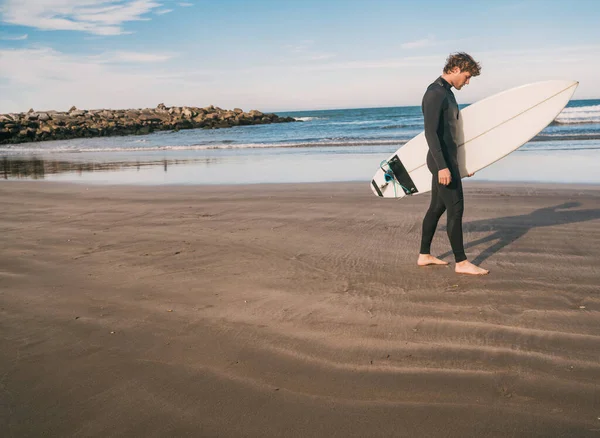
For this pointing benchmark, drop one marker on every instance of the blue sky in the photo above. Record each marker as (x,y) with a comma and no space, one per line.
(278,55)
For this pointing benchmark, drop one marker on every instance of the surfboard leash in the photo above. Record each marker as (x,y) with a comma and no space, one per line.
(388,176)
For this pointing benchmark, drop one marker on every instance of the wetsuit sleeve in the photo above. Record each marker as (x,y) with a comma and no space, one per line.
(433,103)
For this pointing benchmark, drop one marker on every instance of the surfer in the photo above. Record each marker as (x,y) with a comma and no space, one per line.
(442,116)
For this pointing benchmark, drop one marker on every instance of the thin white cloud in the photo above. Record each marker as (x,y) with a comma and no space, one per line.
(545,51)
(130,57)
(304,50)
(141,57)
(100,17)
(15,38)
(376,64)
(185,4)
(321,57)
(417,44)
(301,46)
(163,11)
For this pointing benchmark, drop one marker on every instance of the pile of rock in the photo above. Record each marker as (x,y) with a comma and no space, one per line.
(54,125)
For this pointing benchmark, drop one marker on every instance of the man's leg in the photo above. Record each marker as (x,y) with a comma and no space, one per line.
(430,221)
(452,196)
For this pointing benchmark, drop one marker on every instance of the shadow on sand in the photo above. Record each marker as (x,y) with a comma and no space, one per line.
(506,230)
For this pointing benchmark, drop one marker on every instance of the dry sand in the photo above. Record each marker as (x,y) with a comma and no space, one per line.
(295,310)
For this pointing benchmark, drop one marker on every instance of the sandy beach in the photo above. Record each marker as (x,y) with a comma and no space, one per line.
(295,310)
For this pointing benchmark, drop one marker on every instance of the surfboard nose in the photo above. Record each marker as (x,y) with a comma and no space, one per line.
(555,84)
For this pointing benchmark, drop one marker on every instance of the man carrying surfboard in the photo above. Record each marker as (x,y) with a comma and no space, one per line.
(442,117)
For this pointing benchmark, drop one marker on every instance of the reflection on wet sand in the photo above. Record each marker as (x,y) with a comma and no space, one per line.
(38,168)
(281,166)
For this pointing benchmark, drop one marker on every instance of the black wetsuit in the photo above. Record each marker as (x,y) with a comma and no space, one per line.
(442,125)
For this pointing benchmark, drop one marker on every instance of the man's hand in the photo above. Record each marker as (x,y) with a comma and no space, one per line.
(444,177)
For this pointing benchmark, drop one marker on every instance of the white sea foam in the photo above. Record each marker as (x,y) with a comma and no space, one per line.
(17,149)
(582,114)
(308,119)
(362,122)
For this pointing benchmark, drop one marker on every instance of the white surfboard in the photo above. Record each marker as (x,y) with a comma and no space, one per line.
(491,129)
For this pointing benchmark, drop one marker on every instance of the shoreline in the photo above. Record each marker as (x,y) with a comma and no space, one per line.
(253,310)
(277,166)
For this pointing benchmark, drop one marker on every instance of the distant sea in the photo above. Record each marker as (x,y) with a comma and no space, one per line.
(327,145)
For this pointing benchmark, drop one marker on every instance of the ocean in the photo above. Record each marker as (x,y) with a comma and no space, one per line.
(326,145)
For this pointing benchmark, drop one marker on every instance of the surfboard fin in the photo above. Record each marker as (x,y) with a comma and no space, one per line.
(377,188)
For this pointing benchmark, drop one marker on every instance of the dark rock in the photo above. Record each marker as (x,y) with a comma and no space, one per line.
(184,124)
(244,120)
(60,119)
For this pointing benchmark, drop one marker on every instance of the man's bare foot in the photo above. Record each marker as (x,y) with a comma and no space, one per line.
(467,267)
(428,259)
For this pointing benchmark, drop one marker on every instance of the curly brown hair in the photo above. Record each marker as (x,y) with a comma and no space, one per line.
(464,62)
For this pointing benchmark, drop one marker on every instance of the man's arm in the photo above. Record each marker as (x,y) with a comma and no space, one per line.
(433,102)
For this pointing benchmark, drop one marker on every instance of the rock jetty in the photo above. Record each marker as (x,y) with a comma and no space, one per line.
(75,123)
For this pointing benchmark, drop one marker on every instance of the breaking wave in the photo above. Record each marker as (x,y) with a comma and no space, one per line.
(203,147)
(579,115)
(308,119)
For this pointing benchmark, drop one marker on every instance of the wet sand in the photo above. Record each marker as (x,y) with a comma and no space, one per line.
(295,310)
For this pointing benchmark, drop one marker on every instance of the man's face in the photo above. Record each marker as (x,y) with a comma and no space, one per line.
(461,78)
